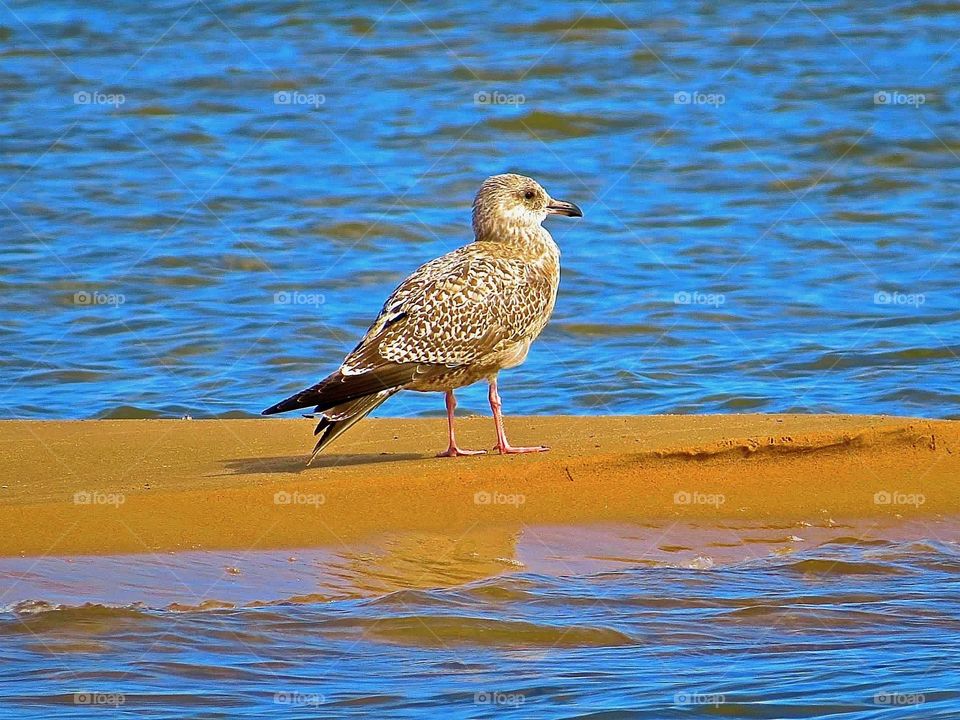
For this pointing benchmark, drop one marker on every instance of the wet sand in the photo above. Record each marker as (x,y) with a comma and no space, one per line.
(212,579)
(120,486)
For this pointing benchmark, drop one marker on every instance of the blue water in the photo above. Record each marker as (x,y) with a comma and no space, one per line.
(851,629)
(203,204)
(736,156)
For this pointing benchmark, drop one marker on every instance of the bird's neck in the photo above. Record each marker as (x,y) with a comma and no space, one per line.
(529,241)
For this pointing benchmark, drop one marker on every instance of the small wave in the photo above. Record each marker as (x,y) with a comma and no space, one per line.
(609,329)
(128,412)
(201,606)
(841,567)
(151,111)
(557,124)
(31,617)
(565,28)
(442,630)
(414,598)
(905,357)
(700,562)
(852,541)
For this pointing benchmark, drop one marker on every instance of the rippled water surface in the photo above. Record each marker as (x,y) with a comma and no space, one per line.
(203,204)
(736,621)
(769,193)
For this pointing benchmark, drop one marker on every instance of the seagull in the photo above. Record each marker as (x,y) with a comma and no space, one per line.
(455,321)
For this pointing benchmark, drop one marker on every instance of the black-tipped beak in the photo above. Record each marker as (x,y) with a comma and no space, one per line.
(559,207)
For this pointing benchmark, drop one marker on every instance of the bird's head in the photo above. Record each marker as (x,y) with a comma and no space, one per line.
(508,204)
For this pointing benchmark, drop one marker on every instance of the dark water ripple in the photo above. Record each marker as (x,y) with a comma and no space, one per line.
(198,199)
(848,630)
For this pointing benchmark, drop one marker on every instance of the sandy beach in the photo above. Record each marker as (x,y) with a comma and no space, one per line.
(119,486)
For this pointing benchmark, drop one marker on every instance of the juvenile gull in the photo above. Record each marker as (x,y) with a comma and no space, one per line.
(456,320)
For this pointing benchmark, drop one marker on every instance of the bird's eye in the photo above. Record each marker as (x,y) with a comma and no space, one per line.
(528,195)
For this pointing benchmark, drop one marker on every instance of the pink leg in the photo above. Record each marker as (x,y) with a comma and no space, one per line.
(453,450)
(503,446)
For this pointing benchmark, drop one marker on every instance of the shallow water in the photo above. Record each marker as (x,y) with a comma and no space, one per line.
(199,248)
(835,619)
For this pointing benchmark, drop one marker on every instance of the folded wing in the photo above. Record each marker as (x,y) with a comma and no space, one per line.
(451,312)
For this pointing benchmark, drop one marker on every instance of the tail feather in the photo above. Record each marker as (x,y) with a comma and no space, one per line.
(338,419)
(339,388)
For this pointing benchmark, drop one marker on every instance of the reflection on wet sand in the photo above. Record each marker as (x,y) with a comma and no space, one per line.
(396,563)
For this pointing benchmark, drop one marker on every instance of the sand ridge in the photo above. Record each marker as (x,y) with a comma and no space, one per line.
(80,487)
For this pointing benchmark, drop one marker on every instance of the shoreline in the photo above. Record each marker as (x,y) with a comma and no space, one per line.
(129,486)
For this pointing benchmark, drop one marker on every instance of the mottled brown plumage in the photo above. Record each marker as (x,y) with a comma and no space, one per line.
(457,319)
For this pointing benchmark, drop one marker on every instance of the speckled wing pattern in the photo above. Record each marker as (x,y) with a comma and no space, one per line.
(458,310)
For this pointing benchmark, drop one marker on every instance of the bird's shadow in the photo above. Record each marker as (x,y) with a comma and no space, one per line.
(298,463)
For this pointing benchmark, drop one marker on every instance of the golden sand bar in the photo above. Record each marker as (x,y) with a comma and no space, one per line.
(116,486)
